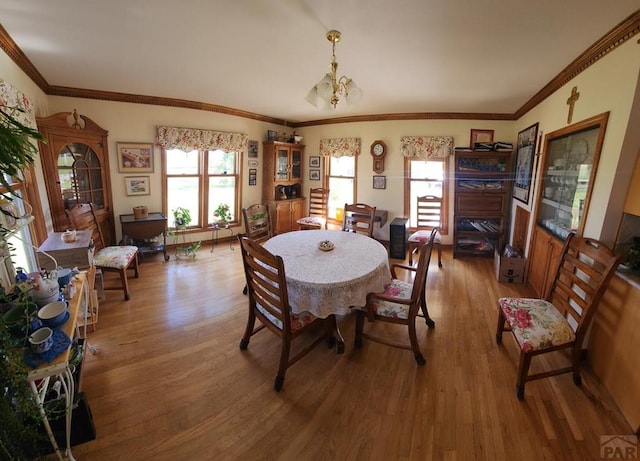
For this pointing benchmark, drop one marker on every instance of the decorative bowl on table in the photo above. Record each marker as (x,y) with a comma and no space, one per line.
(326,245)
(54,314)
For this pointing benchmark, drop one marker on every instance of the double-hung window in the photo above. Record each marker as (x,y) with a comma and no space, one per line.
(341,182)
(426,165)
(340,172)
(425,177)
(200,180)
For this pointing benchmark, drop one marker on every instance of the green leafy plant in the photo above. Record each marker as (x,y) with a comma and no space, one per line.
(181,217)
(17,149)
(192,249)
(20,419)
(223,213)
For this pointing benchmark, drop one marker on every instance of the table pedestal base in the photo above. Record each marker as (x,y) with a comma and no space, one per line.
(333,334)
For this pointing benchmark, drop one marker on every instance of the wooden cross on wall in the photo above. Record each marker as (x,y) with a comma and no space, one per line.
(571,101)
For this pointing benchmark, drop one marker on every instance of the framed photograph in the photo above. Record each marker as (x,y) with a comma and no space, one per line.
(480,136)
(253,176)
(137,185)
(253,163)
(314,161)
(314,175)
(379,182)
(272,135)
(253,149)
(135,157)
(526,148)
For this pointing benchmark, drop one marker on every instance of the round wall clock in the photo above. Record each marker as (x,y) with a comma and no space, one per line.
(378,151)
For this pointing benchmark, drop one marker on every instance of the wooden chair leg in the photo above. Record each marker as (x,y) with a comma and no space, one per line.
(135,266)
(523,371)
(575,364)
(440,255)
(500,328)
(125,283)
(415,347)
(248,331)
(425,312)
(357,342)
(284,363)
(412,249)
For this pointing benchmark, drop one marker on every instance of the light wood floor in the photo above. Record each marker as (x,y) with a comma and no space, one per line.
(170,383)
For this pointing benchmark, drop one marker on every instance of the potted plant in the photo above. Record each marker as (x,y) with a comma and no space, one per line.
(222,214)
(181,217)
(20,418)
(192,249)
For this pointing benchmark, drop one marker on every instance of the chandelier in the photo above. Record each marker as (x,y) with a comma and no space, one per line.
(331,87)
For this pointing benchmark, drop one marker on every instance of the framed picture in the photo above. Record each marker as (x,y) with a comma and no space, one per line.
(253,163)
(314,161)
(379,182)
(253,149)
(480,136)
(272,135)
(137,185)
(526,148)
(253,175)
(314,175)
(135,157)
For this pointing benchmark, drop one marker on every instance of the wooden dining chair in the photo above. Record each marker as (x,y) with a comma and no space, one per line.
(257,225)
(562,318)
(428,213)
(269,303)
(318,210)
(400,303)
(107,258)
(359,218)
(257,222)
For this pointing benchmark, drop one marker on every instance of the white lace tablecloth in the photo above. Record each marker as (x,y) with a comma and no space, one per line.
(328,282)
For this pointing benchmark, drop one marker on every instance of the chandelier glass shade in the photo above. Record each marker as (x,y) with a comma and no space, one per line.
(327,92)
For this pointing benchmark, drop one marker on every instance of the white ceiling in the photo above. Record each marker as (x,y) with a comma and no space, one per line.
(262,56)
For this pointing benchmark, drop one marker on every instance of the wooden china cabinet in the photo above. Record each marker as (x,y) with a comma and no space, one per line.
(569,165)
(75,161)
(282,184)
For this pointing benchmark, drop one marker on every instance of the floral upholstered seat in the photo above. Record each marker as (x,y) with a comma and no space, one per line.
(298,321)
(419,238)
(536,323)
(312,221)
(115,257)
(397,289)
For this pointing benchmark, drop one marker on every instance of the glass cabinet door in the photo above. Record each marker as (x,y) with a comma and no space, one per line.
(296,169)
(571,160)
(282,164)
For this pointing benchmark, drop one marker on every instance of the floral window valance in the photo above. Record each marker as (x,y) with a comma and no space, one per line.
(188,139)
(340,147)
(11,99)
(426,147)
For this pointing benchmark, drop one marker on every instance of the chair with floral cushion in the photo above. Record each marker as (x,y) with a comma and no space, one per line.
(118,259)
(318,210)
(562,318)
(429,211)
(400,303)
(269,303)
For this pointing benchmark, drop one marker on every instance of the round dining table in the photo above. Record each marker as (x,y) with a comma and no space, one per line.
(327,283)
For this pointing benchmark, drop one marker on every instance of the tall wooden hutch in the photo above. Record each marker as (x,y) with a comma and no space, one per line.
(282,184)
